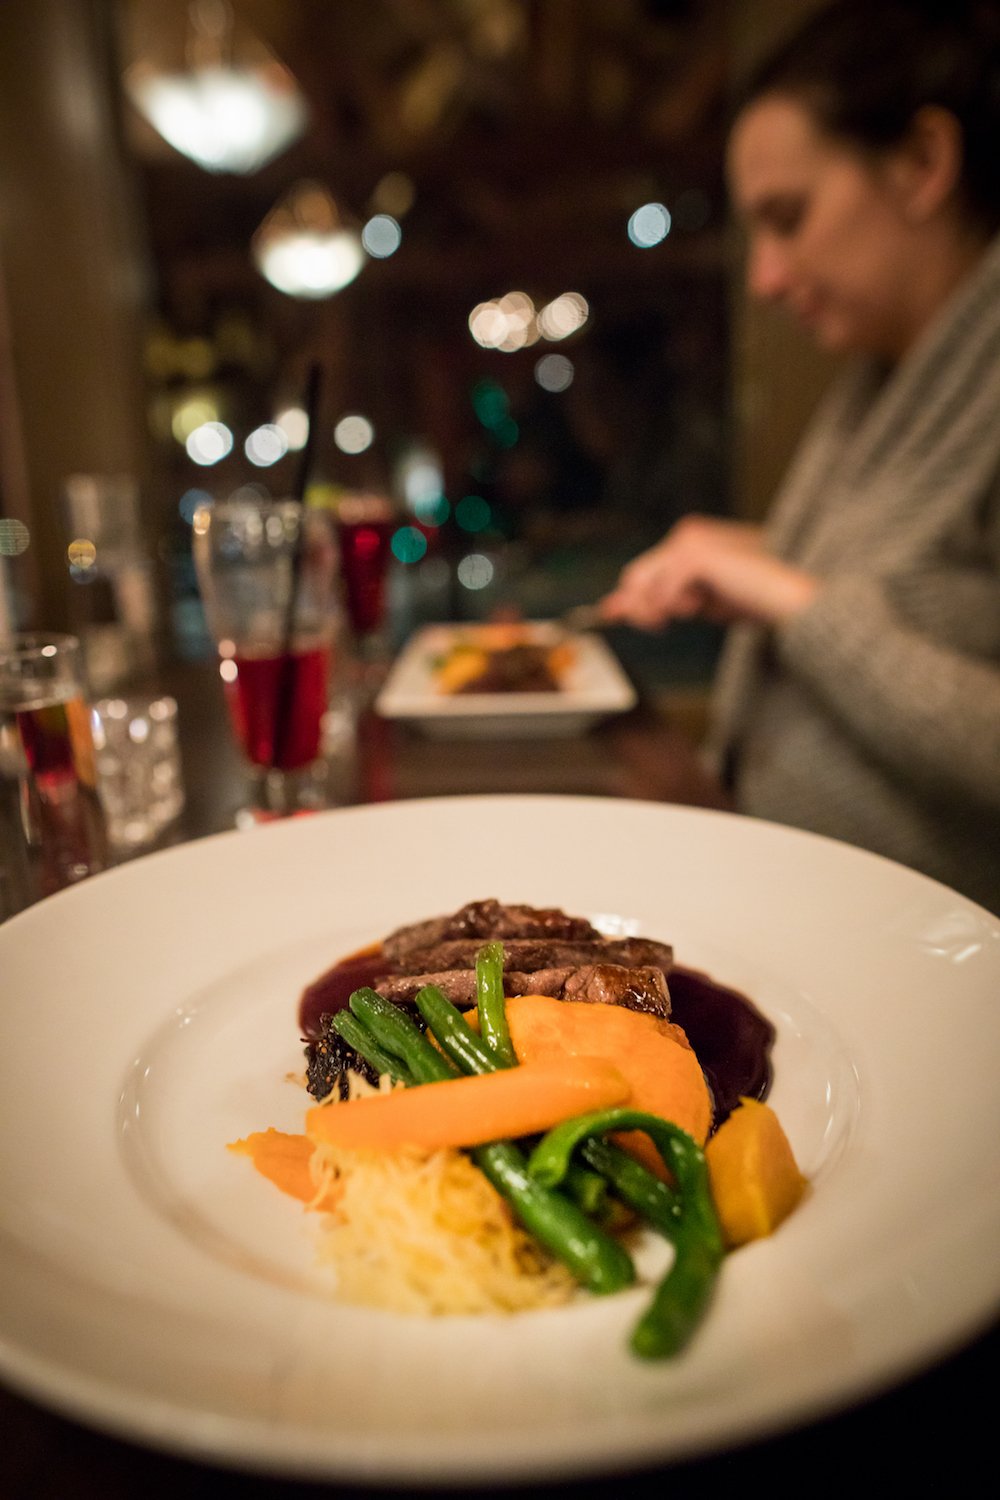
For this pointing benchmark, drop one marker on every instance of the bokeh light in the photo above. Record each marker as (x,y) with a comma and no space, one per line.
(381,236)
(353,434)
(564,315)
(408,544)
(473,513)
(266,445)
(475,571)
(432,510)
(649,225)
(554,372)
(190,413)
(189,503)
(14,537)
(294,423)
(209,443)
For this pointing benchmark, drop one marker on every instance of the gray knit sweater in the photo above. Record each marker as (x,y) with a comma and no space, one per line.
(874,716)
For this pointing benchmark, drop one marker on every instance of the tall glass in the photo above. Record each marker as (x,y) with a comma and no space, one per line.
(51,817)
(269,581)
(365,524)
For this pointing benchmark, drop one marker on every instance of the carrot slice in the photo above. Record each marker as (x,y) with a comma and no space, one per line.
(472,1110)
(654,1055)
(282,1158)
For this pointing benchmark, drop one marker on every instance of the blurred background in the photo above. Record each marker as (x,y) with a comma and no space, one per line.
(498,227)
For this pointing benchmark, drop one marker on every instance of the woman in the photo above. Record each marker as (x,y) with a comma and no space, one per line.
(859,690)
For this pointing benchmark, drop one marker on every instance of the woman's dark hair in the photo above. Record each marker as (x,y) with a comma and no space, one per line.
(863,68)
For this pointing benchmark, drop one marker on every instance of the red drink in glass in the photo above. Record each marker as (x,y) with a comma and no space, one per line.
(277,704)
(365,526)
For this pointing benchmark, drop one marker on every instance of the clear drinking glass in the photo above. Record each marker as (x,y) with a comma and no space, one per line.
(138,766)
(269,580)
(51,816)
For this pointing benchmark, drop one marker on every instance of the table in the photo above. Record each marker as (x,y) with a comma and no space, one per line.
(927,1436)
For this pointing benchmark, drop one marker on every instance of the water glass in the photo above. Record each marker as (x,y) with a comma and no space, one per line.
(270,584)
(51,817)
(138,766)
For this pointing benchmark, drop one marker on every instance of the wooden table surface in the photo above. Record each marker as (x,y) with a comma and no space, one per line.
(928,1436)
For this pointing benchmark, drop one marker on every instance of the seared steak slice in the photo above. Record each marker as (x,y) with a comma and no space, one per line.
(488,919)
(526,954)
(642,989)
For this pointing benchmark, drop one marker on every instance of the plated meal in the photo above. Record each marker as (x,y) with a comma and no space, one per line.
(505,1097)
(503,658)
(154,1285)
(529,677)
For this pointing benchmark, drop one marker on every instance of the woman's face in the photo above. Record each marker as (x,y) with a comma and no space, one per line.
(828,237)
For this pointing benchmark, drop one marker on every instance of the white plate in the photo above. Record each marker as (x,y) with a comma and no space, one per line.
(595,688)
(152,1284)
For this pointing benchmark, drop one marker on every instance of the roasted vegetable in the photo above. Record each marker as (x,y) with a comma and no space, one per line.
(685,1291)
(754,1176)
(598,1261)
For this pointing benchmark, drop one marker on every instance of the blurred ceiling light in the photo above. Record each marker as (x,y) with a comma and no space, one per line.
(394,194)
(554,372)
(475,571)
(421,478)
(294,423)
(563,316)
(233,108)
(353,434)
(191,412)
(14,538)
(649,225)
(209,443)
(305,247)
(381,236)
(265,445)
(507,323)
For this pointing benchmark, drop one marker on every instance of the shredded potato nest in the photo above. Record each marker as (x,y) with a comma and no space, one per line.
(425,1233)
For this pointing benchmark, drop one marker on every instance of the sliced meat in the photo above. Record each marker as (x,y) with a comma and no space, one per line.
(527,954)
(488,919)
(642,989)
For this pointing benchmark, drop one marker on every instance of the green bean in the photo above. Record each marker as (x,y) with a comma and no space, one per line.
(357,1035)
(490,1002)
(473,1055)
(394,1030)
(599,1262)
(464,1046)
(634,1184)
(684,1292)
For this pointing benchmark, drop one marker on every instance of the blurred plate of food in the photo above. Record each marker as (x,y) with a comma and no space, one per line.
(514,679)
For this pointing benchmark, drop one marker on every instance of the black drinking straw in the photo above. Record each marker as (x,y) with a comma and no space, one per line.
(286,675)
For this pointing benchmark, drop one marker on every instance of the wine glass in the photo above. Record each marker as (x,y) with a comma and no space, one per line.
(267,571)
(365,522)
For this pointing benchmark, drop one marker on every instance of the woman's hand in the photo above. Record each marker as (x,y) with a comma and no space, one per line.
(718,570)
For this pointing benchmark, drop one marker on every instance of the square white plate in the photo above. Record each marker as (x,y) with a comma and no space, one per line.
(595,687)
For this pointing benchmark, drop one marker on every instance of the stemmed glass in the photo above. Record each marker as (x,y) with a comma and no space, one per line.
(365,523)
(268,575)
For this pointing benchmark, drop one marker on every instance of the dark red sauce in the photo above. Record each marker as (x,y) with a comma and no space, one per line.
(332,990)
(731,1038)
